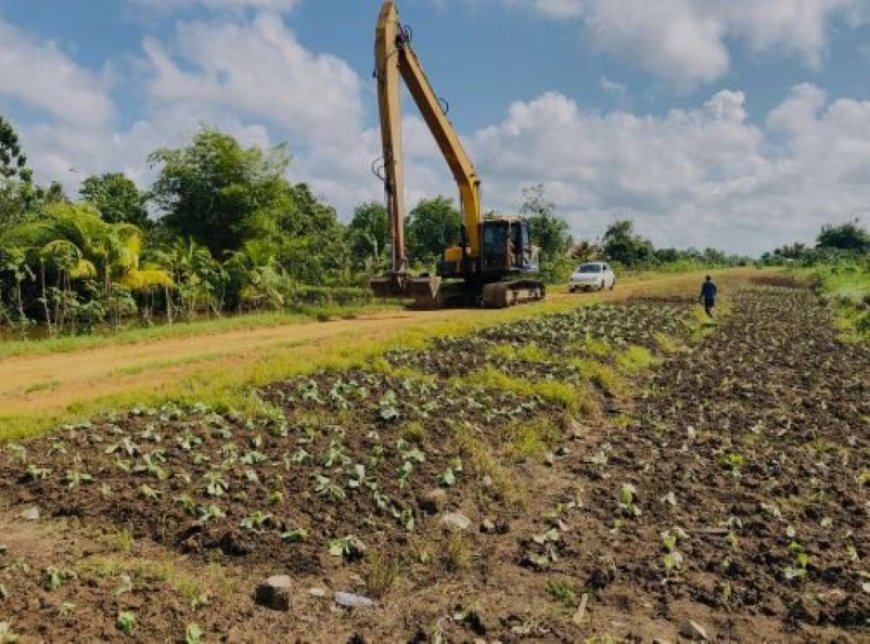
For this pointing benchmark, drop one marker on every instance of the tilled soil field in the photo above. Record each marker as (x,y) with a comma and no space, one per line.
(601,473)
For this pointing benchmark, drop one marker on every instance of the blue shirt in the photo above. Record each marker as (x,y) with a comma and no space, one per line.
(708,291)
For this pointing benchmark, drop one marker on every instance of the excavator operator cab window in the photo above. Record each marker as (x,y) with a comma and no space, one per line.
(495,244)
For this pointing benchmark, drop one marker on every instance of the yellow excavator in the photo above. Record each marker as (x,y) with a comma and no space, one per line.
(494,264)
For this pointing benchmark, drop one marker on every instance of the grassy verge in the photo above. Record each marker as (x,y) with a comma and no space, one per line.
(67,344)
(847,288)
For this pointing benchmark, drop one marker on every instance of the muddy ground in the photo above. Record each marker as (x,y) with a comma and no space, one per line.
(719,493)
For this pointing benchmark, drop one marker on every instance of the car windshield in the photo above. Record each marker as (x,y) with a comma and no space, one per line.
(589,268)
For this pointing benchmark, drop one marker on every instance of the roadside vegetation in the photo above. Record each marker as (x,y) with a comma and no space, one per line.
(838,266)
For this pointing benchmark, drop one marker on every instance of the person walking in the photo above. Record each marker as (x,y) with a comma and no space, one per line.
(708,296)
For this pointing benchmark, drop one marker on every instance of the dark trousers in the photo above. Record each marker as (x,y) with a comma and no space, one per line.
(708,307)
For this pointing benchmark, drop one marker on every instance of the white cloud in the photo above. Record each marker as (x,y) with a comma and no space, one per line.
(41,76)
(704,177)
(685,42)
(259,70)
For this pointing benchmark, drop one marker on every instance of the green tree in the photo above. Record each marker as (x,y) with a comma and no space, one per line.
(369,234)
(117,198)
(622,245)
(850,236)
(13,161)
(311,242)
(548,231)
(17,192)
(218,193)
(432,226)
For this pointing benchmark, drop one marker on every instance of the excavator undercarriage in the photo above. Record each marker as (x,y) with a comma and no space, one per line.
(434,292)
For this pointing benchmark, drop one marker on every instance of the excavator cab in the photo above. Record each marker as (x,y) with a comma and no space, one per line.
(506,249)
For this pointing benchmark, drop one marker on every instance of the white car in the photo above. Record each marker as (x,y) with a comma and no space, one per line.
(592,275)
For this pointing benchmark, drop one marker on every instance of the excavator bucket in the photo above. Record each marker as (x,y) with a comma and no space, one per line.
(389,285)
(426,291)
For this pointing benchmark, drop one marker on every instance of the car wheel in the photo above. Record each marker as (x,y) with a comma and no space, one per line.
(601,288)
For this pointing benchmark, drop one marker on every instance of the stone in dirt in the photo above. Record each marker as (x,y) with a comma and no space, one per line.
(433,501)
(581,610)
(456,520)
(349,600)
(274,593)
(693,630)
(30,514)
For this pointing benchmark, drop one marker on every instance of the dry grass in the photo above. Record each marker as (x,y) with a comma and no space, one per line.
(455,552)
(380,574)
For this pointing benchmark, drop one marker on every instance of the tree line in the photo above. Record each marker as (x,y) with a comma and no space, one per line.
(835,243)
(222,229)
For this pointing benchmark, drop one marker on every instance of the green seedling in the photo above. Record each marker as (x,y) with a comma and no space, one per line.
(74,478)
(627,497)
(53,578)
(207,513)
(193,634)
(126,622)
(148,492)
(324,485)
(295,536)
(255,520)
(35,473)
(348,547)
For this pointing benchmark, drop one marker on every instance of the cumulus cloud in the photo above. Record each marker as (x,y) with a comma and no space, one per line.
(37,73)
(702,177)
(250,78)
(685,42)
(259,70)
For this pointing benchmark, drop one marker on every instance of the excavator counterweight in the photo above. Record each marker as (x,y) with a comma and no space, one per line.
(495,263)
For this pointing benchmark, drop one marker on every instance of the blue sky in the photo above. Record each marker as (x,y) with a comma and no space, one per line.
(739,124)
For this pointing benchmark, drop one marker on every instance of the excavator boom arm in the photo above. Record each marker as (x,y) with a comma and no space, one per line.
(394,57)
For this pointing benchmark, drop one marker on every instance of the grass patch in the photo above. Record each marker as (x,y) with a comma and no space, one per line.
(597,347)
(531,438)
(847,289)
(552,391)
(45,385)
(565,594)
(380,574)
(455,552)
(667,344)
(602,376)
(196,586)
(635,359)
(480,459)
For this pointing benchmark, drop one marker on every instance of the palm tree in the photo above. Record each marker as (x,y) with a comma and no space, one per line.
(256,275)
(73,243)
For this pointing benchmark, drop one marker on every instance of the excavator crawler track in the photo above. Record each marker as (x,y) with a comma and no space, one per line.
(500,295)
